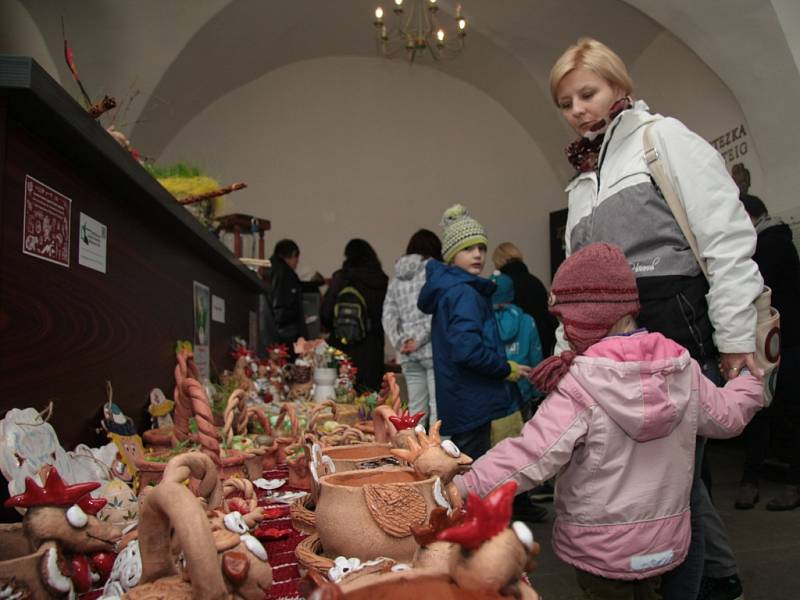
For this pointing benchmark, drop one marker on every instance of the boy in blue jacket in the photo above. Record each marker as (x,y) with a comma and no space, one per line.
(469,362)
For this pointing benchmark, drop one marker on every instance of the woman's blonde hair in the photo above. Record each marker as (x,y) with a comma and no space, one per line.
(595,56)
(504,253)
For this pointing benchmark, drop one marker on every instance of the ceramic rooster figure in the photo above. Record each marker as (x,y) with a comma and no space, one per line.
(432,457)
(495,555)
(64,516)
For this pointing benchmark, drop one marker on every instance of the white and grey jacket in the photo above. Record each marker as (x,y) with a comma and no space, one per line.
(402,319)
(620,204)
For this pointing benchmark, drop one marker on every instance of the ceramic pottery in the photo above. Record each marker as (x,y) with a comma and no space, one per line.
(367,514)
(360,456)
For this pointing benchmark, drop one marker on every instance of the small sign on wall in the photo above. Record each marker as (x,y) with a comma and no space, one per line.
(46,223)
(732,144)
(217,309)
(202,329)
(92,238)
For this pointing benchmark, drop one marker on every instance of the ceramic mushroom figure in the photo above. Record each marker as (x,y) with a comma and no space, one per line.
(217,562)
(495,555)
(65,517)
(432,457)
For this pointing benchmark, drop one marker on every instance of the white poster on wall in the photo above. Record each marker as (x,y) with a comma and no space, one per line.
(217,309)
(92,243)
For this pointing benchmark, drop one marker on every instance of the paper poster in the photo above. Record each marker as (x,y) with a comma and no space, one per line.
(92,238)
(202,329)
(46,223)
(217,309)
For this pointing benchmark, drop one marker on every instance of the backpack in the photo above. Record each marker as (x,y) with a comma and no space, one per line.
(350,321)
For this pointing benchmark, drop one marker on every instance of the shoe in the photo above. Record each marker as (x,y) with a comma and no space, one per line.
(542,493)
(788,499)
(746,497)
(721,588)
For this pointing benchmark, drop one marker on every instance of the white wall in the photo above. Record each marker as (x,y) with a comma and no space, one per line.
(788,12)
(19,34)
(346,147)
(675,82)
(745,43)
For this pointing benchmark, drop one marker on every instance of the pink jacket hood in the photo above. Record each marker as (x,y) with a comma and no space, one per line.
(628,376)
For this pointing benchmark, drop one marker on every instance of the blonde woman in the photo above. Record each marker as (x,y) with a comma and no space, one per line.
(612,198)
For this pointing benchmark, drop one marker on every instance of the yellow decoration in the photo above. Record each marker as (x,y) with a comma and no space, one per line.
(161,410)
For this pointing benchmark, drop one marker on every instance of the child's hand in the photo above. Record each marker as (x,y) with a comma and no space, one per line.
(517,371)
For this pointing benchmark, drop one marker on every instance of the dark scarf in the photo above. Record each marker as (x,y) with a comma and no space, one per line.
(584,152)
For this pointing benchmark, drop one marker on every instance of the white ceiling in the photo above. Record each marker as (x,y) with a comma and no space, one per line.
(185,55)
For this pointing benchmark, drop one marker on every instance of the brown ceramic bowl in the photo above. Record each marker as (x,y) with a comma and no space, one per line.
(401,586)
(367,514)
(360,456)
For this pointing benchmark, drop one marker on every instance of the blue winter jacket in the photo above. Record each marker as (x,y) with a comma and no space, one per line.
(522,345)
(468,358)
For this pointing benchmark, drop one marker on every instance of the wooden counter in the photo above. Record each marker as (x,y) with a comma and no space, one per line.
(65,330)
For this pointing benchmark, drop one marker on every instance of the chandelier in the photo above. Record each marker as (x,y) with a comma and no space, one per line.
(418,29)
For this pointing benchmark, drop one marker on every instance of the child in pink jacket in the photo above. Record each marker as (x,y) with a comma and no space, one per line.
(618,427)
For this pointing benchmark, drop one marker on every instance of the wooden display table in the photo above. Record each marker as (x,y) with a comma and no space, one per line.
(66,328)
(238,224)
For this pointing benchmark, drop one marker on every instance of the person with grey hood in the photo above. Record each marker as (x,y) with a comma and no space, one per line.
(408,328)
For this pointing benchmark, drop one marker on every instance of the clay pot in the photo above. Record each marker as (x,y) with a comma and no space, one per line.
(254,466)
(160,436)
(298,373)
(413,584)
(366,514)
(360,456)
(150,472)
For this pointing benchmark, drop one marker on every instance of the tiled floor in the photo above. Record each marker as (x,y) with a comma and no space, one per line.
(767,544)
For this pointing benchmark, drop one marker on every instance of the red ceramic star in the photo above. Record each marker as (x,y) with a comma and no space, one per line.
(54,492)
(406,420)
(485,518)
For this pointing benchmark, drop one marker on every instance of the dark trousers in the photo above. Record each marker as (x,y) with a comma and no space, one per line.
(786,407)
(475,442)
(599,588)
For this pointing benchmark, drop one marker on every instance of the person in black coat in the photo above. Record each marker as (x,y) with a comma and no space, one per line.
(362,270)
(287,293)
(529,293)
(777,259)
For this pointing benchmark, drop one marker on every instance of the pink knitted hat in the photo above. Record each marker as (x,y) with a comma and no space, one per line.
(592,290)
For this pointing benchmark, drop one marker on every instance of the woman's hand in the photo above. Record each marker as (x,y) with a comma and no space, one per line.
(525,371)
(731,365)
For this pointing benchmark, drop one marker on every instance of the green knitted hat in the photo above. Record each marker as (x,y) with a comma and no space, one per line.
(460,231)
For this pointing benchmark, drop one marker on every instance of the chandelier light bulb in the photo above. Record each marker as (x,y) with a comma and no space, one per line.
(398,2)
(462,24)
(433,1)
(379,14)
(440,35)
